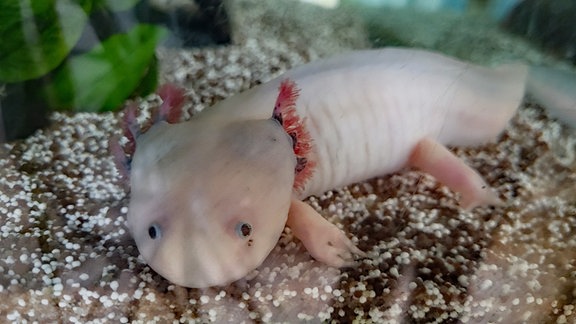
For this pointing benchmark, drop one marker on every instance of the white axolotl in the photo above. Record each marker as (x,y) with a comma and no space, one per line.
(210,196)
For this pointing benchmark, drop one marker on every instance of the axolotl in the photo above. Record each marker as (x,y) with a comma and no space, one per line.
(211,196)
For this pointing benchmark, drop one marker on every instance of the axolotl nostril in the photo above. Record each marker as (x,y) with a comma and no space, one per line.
(210,196)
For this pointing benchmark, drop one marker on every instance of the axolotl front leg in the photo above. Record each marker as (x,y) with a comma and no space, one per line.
(323,240)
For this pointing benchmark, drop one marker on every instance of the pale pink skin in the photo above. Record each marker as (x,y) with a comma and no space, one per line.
(369,113)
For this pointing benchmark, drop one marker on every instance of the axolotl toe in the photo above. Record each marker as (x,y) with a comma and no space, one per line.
(210,197)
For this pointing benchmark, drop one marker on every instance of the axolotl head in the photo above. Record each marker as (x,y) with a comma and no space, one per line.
(209,199)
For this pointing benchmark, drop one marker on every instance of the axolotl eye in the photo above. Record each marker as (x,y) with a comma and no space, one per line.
(155,231)
(243,230)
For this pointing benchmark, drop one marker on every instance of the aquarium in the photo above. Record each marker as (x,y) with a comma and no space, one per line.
(288,161)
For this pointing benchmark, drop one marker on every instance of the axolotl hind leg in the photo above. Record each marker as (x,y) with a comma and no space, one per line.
(436,160)
(324,241)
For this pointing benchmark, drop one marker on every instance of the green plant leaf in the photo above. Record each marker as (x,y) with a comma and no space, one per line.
(37,35)
(100,80)
(149,82)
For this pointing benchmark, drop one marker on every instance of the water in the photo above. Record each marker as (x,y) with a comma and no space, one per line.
(66,253)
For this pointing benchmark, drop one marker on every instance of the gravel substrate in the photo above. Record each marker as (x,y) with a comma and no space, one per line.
(66,255)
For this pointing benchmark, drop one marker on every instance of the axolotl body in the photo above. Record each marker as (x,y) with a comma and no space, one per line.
(211,196)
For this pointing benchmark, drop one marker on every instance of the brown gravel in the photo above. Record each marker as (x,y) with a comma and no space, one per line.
(66,255)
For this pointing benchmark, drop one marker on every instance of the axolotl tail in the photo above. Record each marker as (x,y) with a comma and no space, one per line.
(556,90)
